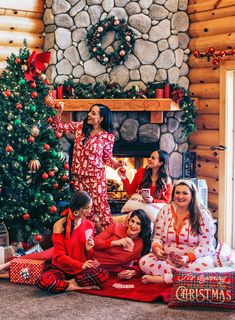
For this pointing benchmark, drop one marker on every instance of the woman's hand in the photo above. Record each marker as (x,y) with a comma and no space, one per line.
(59,107)
(180,261)
(88,264)
(148,199)
(159,253)
(126,274)
(89,243)
(123,242)
(122,173)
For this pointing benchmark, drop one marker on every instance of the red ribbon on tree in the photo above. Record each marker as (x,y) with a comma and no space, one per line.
(36,64)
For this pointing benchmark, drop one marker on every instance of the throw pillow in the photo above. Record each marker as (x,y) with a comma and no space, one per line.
(225,256)
(203,290)
(137,202)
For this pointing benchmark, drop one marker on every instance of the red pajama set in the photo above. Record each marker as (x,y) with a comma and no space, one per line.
(68,258)
(134,186)
(88,167)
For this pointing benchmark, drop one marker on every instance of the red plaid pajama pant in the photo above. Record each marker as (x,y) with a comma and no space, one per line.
(55,280)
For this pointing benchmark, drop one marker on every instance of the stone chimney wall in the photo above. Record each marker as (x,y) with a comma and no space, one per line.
(160,53)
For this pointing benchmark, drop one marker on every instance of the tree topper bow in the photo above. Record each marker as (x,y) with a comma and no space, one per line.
(36,64)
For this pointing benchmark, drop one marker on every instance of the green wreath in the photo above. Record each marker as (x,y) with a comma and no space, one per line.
(126,38)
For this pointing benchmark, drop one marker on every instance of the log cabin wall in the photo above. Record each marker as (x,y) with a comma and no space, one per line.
(19,20)
(212,24)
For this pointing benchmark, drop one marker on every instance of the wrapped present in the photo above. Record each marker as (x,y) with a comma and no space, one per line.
(25,270)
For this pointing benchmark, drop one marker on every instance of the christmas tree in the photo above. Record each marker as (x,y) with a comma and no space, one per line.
(33,169)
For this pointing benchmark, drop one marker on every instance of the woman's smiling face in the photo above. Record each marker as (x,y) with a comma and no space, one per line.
(134,227)
(182,196)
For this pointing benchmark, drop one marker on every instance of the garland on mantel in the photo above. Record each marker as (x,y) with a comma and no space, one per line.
(113,90)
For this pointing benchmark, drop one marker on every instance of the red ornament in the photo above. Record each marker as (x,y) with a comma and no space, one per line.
(45,175)
(64,177)
(31,139)
(211,50)
(33,84)
(19,106)
(59,105)
(18,60)
(50,120)
(7,93)
(46,147)
(26,216)
(122,170)
(49,100)
(51,173)
(47,82)
(196,53)
(34,94)
(58,135)
(53,209)
(55,185)
(38,237)
(216,61)
(233,52)
(34,165)
(9,148)
(66,166)
(222,53)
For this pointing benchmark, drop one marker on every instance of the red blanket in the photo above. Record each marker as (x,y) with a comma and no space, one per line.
(140,292)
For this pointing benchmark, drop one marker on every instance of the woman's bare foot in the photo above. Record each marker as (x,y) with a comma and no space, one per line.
(73,287)
(152,279)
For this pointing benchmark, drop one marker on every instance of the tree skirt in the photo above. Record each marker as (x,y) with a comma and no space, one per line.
(133,290)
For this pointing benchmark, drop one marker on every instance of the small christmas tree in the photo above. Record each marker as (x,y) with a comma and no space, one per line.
(33,171)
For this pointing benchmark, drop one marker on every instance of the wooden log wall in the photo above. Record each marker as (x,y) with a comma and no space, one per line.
(212,24)
(19,20)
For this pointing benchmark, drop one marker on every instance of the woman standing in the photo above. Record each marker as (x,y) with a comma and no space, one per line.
(154,177)
(183,238)
(72,264)
(93,145)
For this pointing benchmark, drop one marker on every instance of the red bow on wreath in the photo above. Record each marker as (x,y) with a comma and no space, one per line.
(36,64)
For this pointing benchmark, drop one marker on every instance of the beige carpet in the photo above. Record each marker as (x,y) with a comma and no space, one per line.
(27,302)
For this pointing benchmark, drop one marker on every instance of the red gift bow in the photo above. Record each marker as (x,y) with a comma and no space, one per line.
(36,62)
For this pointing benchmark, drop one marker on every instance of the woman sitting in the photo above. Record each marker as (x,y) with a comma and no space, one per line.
(72,264)
(116,249)
(183,238)
(155,177)
(119,245)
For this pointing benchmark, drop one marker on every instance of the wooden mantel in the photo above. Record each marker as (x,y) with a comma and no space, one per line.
(155,106)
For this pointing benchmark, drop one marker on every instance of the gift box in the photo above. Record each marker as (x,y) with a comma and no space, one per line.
(25,270)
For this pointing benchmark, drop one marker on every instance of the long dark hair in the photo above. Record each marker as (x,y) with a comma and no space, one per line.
(145,232)
(163,174)
(80,199)
(194,206)
(106,124)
